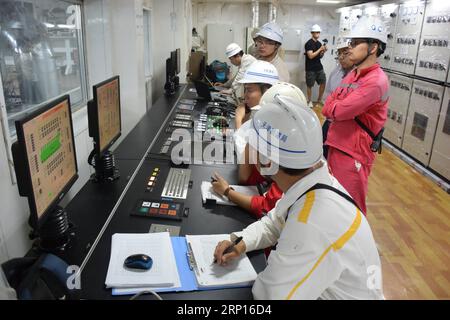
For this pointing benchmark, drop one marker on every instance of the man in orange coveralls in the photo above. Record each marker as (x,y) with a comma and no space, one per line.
(358,109)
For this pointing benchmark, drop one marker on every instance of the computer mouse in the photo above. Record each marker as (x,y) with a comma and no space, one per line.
(138,261)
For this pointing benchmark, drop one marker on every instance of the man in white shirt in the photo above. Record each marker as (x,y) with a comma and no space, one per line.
(268,41)
(241,60)
(324,244)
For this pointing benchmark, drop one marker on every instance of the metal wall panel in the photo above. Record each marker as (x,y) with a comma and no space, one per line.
(399,96)
(434,49)
(218,36)
(423,113)
(440,156)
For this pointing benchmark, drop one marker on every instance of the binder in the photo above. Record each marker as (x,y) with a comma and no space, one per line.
(187,270)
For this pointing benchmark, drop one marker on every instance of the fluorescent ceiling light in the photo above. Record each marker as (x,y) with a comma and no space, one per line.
(66,26)
(329,1)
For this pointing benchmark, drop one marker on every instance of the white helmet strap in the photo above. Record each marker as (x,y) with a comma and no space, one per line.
(369,42)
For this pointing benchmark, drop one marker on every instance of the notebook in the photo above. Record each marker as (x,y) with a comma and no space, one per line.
(208,193)
(158,246)
(194,257)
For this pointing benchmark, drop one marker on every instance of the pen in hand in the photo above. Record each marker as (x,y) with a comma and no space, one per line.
(230,248)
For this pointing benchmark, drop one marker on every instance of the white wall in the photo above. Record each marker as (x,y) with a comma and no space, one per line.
(171,25)
(114,45)
(288,16)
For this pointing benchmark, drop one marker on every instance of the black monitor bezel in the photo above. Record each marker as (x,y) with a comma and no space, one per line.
(94,131)
(178,62)
(173,58)
(34,221)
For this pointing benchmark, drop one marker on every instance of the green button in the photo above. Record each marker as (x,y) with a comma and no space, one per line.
(143,210)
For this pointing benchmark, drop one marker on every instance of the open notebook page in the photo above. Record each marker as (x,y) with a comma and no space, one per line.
(238,272)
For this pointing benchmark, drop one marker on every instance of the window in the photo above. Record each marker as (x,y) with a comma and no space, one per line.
(41,54)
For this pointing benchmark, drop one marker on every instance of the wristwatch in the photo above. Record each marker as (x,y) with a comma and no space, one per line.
(227,191)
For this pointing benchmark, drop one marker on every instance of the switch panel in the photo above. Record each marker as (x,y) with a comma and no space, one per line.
(440,156)
(434,51)
(399,96)
(407,36)
(423,114)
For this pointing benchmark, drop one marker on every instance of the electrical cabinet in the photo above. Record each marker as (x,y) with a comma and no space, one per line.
(385,58)
(292,39)
(434,49)
(407,36)
(423,113)
(399,96)
(440,156)
(389,14)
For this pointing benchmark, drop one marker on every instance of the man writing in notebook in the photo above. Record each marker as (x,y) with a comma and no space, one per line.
(324,245)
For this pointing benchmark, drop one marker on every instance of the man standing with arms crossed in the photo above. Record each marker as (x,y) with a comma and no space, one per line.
(358,110)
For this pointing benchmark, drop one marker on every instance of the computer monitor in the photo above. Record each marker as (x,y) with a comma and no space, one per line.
(105,127)
(175,59)
(46,167)
(170,85)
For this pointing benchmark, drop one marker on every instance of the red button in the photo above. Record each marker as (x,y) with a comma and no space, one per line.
(162,211)
(172,212)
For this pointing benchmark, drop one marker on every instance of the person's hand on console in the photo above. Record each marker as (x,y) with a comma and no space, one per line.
(222,256)
(227,91)
(218,84)
(220,185)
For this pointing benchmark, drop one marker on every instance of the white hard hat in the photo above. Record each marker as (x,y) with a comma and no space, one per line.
(232,49)
(261,72)
(341,43)
(369,27)
(316,28)
(284,89)
(271,31)
(289,133)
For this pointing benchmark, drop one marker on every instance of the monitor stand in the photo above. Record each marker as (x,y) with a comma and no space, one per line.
(56,234)
(170,88)
(176,81)
(105,168)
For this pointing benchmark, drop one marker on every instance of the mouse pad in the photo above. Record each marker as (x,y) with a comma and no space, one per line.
(158,209)
(173,230)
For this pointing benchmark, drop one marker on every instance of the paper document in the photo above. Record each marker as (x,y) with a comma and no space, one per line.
(209,194)
(158,246)
(209,274)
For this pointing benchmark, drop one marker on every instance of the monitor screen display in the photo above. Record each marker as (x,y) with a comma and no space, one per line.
(50,153)
(107,97)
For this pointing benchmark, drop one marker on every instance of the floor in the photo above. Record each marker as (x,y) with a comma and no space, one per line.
(410,219)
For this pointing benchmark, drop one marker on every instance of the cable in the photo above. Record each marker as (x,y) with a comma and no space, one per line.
(137,295)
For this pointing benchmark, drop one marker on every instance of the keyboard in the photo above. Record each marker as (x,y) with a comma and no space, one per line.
(177,183)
